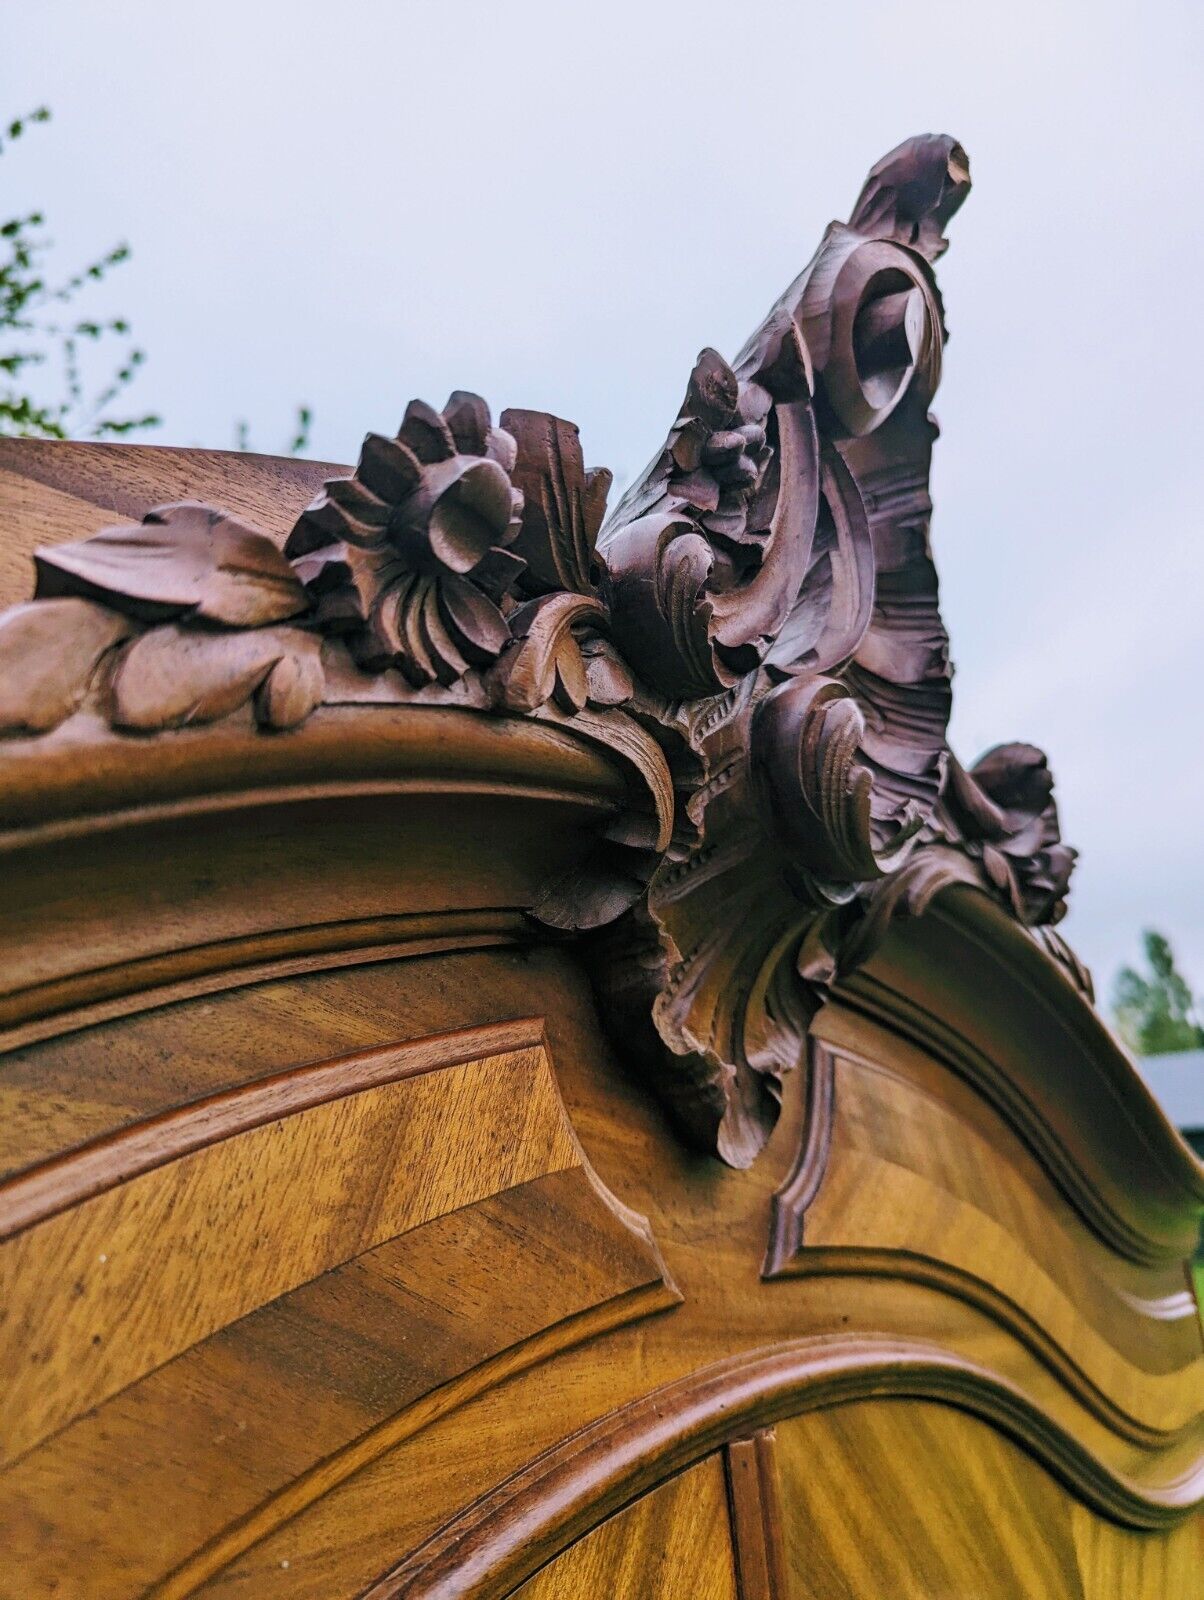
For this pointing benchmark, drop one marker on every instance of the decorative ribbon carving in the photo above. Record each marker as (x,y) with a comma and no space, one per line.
(754,631)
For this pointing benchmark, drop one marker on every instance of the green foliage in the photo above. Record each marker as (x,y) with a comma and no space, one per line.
(1156,1014)
(39,329)
(297,446)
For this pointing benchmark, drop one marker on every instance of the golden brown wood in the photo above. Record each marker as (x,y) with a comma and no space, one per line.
(268,1415)
(671,1545)
(345,818)
(911,1178)
(913,1500)
(99,1294)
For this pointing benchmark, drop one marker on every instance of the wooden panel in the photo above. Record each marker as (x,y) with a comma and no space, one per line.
(266,1416)
(673,1544)
(51,492)
(330,1531)
(90,1085)
(967,984)
(244,877)
(906,1173)
(711,1223)
(104,1291)
(914,1500)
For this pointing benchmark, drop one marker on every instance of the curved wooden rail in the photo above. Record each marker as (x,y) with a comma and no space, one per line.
(509,1534)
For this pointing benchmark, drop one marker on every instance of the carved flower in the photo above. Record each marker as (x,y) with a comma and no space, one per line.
(1002,811)
(718,448)
(408,559)
(715,460)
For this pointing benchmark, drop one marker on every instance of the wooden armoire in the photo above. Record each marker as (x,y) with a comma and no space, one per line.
(527,1067)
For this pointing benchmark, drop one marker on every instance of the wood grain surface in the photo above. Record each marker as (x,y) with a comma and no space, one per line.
(913,1500)
(124,1281)
(339,1475)
(417,897)
(913,1178)
(51,492)
(266,1416)
(672,1544)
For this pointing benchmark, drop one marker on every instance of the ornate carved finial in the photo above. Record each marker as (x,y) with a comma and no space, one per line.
(912,193)
(754,632)
(803,586)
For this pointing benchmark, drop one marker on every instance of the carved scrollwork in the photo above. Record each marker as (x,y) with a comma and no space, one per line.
(754,632)
(796,607)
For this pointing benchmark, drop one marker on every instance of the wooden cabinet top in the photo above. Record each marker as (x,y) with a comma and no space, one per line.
(516,1028)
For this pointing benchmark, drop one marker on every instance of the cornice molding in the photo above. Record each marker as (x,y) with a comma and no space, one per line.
(753,633)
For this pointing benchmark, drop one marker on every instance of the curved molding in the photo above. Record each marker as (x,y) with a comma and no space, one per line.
(848,1261)
(789,1204)
(750,640)
(72,781)
(1026,1038)
(322,1479)
(274,852)
(79,1001)
(789,1255)
(507,1534)
(80,1174)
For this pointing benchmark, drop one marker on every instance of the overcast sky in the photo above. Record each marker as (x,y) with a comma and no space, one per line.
(557,204)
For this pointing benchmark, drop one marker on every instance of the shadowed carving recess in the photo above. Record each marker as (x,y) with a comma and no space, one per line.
(753,632)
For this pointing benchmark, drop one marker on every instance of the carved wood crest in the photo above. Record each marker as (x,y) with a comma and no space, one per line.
(754,630)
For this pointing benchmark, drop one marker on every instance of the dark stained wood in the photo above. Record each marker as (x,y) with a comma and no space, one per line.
(412,878)
(753,633)
(52,492)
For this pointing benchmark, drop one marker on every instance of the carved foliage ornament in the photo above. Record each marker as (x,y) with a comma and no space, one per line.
(754,630)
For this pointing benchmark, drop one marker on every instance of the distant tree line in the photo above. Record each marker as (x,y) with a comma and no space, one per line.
(1156,1012)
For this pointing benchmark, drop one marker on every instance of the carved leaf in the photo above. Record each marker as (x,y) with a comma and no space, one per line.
(614,877)
(174,676)
(49,652)
(185,558)
(545,661)
(563,504)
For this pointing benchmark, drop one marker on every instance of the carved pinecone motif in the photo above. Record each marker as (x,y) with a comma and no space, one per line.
(408,559)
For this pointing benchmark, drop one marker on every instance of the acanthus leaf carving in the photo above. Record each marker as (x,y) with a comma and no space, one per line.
(181,560)
(754,634)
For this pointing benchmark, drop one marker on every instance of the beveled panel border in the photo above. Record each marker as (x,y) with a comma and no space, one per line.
(66,1180)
